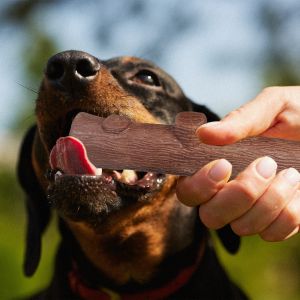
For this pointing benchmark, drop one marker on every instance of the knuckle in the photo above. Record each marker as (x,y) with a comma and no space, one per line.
(269,236)
(204,216)
(292,215)
(276,93)
(234,113)
(210,220)
(242,229)
(238,229)
(234,132)
(248,190)
(272,90)
(279,191)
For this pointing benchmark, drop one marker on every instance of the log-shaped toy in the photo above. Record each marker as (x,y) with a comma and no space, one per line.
(118,143)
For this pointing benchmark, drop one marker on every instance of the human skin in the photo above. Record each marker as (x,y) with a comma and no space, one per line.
(259,200)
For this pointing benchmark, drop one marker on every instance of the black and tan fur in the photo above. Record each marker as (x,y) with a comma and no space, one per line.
(119,243)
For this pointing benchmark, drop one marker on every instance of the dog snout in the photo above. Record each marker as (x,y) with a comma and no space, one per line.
(69,67)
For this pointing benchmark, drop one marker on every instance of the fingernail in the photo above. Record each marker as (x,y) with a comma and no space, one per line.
(206,125)
(220,170)
(292,176)
(266,167)
(210,124)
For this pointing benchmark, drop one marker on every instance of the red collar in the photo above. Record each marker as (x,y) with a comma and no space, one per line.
(87,293)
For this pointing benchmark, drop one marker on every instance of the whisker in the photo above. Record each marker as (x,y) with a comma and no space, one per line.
(27,88)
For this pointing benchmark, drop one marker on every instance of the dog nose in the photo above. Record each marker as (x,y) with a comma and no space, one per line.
(71,66)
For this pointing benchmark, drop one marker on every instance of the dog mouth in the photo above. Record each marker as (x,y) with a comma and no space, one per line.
(69,158)
(81,191)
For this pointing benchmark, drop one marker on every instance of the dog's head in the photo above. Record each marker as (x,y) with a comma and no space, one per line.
(74,82)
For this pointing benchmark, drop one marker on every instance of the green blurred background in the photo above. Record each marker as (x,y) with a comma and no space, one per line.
(237,46)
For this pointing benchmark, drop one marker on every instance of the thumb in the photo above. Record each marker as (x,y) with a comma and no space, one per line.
(251,119)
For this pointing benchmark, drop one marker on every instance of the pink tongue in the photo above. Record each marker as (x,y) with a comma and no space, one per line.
(69,155)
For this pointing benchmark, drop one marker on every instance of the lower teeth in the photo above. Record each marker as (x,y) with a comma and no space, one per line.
(58,174)
(129,176)
(99,171)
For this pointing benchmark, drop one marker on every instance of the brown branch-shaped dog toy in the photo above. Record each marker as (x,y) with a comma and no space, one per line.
(117,143)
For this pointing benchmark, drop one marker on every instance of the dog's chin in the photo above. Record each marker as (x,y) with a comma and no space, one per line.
(93,199)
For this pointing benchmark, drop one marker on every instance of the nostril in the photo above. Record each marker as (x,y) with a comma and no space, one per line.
(70,66)
(55,70)
(86,67)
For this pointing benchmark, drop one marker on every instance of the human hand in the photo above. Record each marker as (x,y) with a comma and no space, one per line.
(257,201)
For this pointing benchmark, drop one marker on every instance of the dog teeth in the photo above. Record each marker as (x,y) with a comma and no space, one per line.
(57,174)
(99,171)
(128,176)
(117,175)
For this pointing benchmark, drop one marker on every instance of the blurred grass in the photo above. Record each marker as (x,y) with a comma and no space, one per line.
(12,229)
(268,271)
(264,270)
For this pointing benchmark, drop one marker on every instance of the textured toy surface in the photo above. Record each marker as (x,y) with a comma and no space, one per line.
(117,143)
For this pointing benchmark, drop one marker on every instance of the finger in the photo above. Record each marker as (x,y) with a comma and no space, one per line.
(199,188)
(287,125)
(268,207)
(287,223)
(251,119)
(239,195)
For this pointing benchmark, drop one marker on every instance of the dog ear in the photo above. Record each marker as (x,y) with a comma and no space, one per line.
(229,239)
(36,204)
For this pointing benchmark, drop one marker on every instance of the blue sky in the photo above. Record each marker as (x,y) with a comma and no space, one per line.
(216,61)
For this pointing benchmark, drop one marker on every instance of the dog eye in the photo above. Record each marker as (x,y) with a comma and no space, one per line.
(146,77)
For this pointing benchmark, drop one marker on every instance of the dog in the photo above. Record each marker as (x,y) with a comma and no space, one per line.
(121,238)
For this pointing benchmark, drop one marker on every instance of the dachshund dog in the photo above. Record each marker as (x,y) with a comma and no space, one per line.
(121,238)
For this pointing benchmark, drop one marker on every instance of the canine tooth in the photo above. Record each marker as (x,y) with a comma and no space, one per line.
(99,171)
(129,176)
(58,174)
(117,175)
